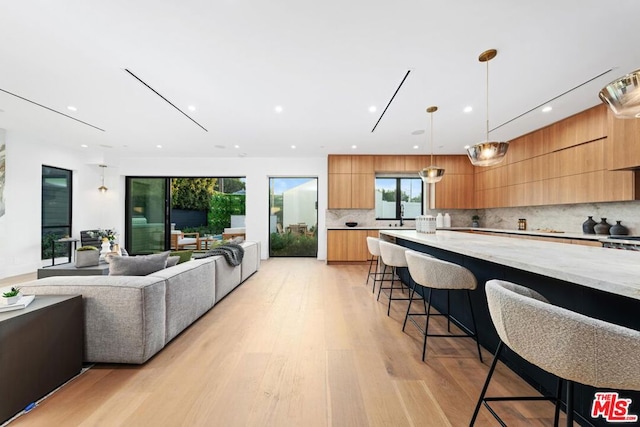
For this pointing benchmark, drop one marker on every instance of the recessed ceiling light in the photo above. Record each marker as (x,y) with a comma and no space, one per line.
(236,146)
(415,147)
(468,109)
(353,147)
(191,108)
(293,147)
(84,145)
(278,108)
(466,146)
(158,146)
(71,108)
(547,109)
(373,109)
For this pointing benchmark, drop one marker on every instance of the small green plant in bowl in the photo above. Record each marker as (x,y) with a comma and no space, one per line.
(12,293)
(87,256)
(12,296)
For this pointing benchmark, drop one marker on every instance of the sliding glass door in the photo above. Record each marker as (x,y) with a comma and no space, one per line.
(147,204)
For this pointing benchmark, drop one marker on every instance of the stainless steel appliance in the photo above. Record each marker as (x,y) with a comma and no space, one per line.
(631,243)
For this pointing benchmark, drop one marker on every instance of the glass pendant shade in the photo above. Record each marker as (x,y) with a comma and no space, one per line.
(431,174)
(102,188)
(622,96)
(487,153)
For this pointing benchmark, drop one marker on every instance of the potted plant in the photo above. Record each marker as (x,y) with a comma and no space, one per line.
(475,221)
(12,296)
(87,256)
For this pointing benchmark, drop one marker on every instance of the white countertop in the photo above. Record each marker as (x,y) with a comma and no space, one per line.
(559,235)
(610,270)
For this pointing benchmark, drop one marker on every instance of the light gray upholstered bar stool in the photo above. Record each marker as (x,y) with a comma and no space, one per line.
(392,255)
(569,345)
(373,244)
(432,273)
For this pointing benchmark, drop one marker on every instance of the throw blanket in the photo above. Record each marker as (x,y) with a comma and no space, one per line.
(232,252)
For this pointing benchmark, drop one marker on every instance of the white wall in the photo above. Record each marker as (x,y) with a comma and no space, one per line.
(257,172)
(20,227)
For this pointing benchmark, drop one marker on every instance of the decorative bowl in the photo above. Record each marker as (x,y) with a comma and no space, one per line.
(351,224)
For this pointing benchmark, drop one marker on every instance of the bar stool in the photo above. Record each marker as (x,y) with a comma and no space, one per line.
(432,273)
(569,345)
(392,255)
(374,249)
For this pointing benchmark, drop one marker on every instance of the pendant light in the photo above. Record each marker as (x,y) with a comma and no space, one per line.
(431,174)
(102,188)
(623,96)
(487,153)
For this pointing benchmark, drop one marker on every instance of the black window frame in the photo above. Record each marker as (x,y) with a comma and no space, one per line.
(398,207)
(45,230)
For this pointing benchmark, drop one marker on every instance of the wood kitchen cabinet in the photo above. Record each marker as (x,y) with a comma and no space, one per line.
(348,245)
(351,182)
(624,143)
(351,191)
(566,162)
(455,191)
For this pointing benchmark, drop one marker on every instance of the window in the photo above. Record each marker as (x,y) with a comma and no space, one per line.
(56,210)
(398,197)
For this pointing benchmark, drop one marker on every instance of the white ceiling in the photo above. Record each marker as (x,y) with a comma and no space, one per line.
(325,62)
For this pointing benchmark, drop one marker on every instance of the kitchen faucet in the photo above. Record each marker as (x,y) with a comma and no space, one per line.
(401,213)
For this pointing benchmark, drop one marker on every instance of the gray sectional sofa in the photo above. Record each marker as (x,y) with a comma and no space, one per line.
(128,319)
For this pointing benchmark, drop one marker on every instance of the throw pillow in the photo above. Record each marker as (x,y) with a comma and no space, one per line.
(184,255)
(173,260)
(140,265)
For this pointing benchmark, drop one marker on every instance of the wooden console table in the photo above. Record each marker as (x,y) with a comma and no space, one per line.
(42,348)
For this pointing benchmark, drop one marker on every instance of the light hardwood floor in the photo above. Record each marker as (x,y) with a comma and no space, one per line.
(298,344)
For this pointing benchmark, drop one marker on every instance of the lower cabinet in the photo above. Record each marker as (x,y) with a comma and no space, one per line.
(348,245)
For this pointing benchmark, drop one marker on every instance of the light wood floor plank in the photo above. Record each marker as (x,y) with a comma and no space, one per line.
(300,343)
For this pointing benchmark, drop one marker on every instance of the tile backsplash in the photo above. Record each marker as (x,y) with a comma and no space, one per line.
(567,218)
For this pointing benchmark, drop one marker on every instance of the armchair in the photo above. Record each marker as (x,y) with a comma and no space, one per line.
(179,240)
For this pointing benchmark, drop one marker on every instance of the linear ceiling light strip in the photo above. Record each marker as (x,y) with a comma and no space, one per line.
(553,99)
(51,109)
(165,99)
(391,100)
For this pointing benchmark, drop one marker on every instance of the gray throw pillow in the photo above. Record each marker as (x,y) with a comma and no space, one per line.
(140,265)
(173,260)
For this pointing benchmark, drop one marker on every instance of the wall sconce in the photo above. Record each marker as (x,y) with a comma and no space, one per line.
(102,188)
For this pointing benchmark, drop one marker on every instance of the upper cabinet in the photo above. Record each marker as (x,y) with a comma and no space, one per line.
(585,158)
(624,143)
(566,162)
(351,182)
(352,179)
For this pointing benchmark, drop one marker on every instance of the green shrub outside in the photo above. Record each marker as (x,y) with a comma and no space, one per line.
(289,244)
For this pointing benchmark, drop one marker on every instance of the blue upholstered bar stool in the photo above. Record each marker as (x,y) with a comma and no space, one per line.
(373,244)
(392,255)
(569,345)
(431,273)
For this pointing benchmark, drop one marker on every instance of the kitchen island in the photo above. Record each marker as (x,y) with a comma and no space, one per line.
(599,282)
